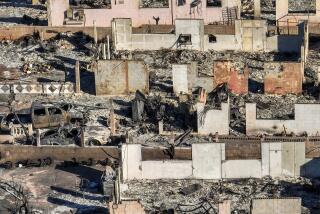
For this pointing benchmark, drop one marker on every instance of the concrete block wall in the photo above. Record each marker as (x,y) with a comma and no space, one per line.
(56,10)
(122,34)
(293,157)
(53,88)
(152,41)
(307,120)
(223,43)
(226,72)
(180,79)
(173,169)
(276,205)
(272,159)
(250,36)
(5,88)
(124,39)
(194,27)
(27,88)
(288,80)
(130,75)
(241,169)
(206,160)
(58,88)
(209,162)
(185,78)
(131,161)
(213,120)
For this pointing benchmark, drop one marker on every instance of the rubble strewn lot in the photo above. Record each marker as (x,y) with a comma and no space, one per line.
(54,189)
(54,60)
(17,12)
(155,3)
(92,3)
(303,5)
(76,188)
(163,195)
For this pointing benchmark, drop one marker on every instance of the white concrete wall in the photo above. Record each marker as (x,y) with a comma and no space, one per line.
(276,206)
(122,34)
(250,35)
(195,27)
(56,10)
(293,158)
(271,159)
(131,161)
(152,41)
(224,42)
(213,120)
(185,78)
(206,160)
(170,169)
(307,119)
(180,78)
(241,169)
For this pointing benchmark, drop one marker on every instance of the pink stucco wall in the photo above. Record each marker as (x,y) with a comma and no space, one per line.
(139,16)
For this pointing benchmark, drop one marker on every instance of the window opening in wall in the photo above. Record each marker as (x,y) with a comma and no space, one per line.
(181,2)
(213,3)
(212,38)
(247,9)
(154,3)
(92,3)
(184,39)
(302,6)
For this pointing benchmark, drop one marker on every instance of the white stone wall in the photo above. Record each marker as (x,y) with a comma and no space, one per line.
(213,120)
(208,162)
(180,78)
(276,206)
(168,169)
(307,119)
(241,169)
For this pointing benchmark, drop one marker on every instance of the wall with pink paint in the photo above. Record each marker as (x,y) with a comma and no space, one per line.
(131,9)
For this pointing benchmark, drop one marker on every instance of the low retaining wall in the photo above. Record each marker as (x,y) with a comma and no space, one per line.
(38,88)
(307,120)
(208,162)
(45,32)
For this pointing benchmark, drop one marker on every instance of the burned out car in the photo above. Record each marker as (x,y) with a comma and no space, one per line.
(50,116)
(20,125)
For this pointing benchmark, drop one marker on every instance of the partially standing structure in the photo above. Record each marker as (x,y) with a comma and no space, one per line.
(61,13)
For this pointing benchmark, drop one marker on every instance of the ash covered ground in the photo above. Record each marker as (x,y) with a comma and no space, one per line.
(54,60)
(185,195)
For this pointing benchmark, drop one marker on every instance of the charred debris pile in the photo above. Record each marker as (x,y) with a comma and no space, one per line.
(203,197)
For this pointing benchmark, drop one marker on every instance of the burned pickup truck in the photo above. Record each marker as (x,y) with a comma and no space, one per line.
(57,124)
(20,125)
